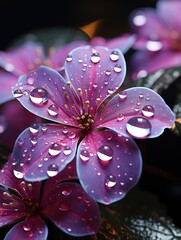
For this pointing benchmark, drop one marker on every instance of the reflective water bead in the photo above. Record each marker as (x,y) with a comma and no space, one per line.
(117,68)
(52,170)
(21,141)
(53,110)
(108,72)
(122,95)
(34,128)
(55,149)
(18,93)
(30,80)
(84,155)
(18,174)
(114,56)
(105,153)
(67,150)
(95,58)
(148,111)
(39,96)
(138,127)
(69,58)
(110,181)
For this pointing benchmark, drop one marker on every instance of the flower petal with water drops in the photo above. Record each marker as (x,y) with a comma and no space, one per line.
(23,58)
(58,57)
(71,209)
(24,189)
(112,162)
(45,93)
(68,173)
(137,112)
(95,73)
(7,80)
(43,150)
(32,228)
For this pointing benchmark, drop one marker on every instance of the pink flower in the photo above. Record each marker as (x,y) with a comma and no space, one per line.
(108,161)
(158,44)
(28,205)
(30,55)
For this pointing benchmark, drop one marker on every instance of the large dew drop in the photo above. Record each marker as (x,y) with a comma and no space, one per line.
(52,170)
(39,96)
(138,127)
(95,58)
(84,155)
(110,181)
(148,111)
(105,153)
(114,56)
(55,149)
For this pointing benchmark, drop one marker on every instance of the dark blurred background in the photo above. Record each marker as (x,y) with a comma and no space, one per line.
(19,17)
(161,173)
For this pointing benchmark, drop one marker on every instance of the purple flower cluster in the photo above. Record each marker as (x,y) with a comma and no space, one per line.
(82,150)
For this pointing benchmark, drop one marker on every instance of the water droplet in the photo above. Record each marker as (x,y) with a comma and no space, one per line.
(122,95)
(148,111)
(67,150)
(108,72)
(69,58)
(21,141)
(120,117)
(52,170)
(138,127)
(27,227)
(39,96)
(30,80)
(95,58)
(105,153)
(34,128)
(110,181)
(114,56)
(34,141)
(18,174)
(53,110)
(84,155)
(117,68)
(18,93)
(55,149)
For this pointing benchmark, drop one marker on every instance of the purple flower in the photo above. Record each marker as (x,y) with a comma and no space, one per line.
(28,205)
(30,55)
(158,41)
(108,161)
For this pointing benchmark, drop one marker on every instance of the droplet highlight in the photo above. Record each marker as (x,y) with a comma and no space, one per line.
(138,127)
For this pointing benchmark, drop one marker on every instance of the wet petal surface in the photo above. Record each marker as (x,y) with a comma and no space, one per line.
(72,210)
(7,80)
(33,228)
(95,73)
(112,163)
(45,93)
(138,112)
(43,150)
(19,60)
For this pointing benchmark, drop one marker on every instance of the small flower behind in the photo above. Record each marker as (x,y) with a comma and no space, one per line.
(158,38)
(23,58)
(28,205)
(99,135)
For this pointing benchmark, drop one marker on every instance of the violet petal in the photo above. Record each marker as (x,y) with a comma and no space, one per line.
(108,165)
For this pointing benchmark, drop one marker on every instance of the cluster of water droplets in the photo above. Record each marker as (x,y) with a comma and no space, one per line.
(138,126)
(105,156)
(114,67)
(62,147)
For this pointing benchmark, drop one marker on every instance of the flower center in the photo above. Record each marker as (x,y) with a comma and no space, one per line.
(85,121)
